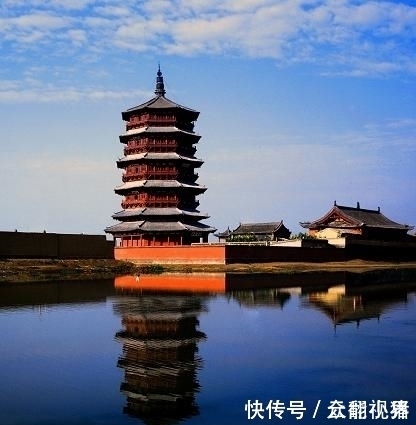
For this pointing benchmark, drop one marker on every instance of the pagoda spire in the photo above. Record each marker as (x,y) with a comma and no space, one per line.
(160,86)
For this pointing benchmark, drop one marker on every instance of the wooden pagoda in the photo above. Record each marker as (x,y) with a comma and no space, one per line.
(159,189)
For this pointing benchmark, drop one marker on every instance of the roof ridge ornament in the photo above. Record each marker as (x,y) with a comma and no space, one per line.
(160,86)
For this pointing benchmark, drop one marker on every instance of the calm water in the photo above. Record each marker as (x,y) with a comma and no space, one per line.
(120,353)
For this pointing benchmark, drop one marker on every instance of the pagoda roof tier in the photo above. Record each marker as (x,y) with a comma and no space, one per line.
(152,212)
(160,102)
(159,156)
(344,217)
(158,130)
(153,344)
(143,226)
(158,184)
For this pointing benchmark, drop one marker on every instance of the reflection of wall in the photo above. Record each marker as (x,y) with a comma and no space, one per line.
(159,358)
(56,292)
(194,282)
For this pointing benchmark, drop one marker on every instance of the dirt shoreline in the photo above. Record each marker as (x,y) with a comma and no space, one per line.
(34,270)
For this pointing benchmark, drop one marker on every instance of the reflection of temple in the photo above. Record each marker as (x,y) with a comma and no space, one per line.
(343,306)
(159,359)
(262,297)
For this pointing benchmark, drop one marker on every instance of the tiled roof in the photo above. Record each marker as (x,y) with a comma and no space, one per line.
(145,212)
(172,156)
(355,217)
(165,184)
(159,102)
(223,234)
(127,226)
(370,218)
(163,226)
(257,228)
(157,226)
(170,129)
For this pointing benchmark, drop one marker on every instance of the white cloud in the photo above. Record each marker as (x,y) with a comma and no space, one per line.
(113,10)
(77,36)
(14,92)
(339,37)
(47,4)
(288,30)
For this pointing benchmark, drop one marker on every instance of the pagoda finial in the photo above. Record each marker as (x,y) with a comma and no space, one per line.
(160,86)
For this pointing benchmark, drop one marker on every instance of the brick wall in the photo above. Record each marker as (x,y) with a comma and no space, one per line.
(264,254)
(54,245)
(190,254)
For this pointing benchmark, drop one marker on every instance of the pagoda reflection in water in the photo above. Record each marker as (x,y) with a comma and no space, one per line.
(160,334)
(159,356)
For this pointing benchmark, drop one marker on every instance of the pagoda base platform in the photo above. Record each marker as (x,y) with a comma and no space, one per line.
(183,254)
(223,254)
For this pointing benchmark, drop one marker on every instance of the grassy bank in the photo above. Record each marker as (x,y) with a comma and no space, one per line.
(13,270)
(17,270)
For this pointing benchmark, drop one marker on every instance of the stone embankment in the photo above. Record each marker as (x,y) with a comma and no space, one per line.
(19,270)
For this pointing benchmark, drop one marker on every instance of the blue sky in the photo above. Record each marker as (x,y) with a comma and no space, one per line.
(302,102)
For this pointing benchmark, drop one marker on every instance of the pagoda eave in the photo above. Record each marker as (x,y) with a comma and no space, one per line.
(155,156)
(160,102)
(142,226)
(158,130)
(146,185)
(158,212)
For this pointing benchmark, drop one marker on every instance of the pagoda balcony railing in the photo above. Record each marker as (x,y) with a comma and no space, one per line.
(150,145)
(149,203)
(149,197)
(150,120)
(149,148)
(137,142)
(150,175)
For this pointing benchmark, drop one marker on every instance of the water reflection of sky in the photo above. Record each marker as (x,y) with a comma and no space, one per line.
(64,360)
